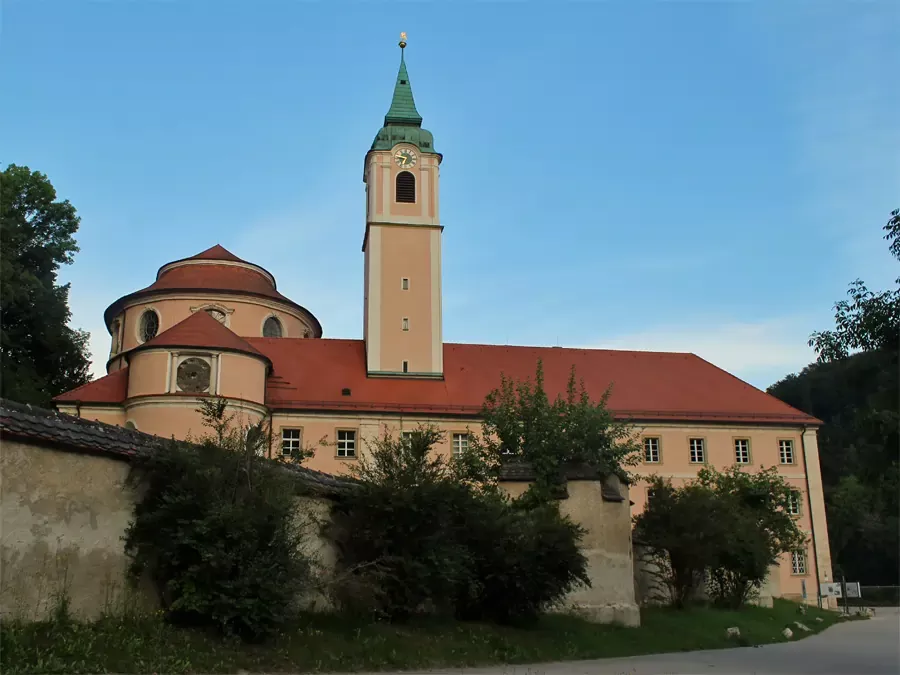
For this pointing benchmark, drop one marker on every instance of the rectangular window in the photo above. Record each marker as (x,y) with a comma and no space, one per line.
(794,503)
(698,452)
(460,444)
(405,366)
(651,450)
(406,435)
(786,451)
(291,441)
(742,450)
(405,323)
(346,443)
(651,493)
(798,562)
(404,284)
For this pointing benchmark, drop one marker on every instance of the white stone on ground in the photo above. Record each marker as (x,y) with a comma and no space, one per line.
(788,633)
(734,631)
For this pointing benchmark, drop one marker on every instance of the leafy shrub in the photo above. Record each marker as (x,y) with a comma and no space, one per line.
(216,529)
(420,535)
(727,528)
(524,561)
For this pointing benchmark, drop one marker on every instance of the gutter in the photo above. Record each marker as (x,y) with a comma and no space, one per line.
(812,523)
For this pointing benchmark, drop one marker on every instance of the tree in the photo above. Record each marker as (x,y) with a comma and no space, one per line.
(854,388)
(519,421)
(726,528)
(870,320)
(41,355)
(755,508)
(218,529)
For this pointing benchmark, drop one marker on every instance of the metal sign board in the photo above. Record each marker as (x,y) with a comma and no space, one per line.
(832,590)
(853,589)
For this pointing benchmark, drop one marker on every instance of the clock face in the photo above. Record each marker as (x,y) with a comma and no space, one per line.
(405,158)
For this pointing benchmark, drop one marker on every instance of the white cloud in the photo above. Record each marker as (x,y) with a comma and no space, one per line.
(760,352)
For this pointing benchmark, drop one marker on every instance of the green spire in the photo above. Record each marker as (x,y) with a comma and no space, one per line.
(403,108)
(403,123)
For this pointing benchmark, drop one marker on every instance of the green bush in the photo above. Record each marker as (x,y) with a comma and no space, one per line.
(525,560)
(415,538)
(216,529)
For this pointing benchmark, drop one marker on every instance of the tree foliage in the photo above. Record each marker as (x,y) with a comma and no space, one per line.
(724,528)
(41,355)
(217,530)
(420,534)
(869,320)
(521,422)
(854,388)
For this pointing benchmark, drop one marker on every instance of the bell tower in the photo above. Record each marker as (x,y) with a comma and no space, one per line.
(402,244)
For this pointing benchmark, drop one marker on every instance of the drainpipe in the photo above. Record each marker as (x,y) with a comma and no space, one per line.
(77,408)
(812,523)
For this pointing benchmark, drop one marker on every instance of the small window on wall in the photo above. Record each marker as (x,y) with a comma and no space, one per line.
(404,284)
(798,562)
(794,503)
(291,441)
(786,451)
(698,451)
(272,328)
(651,450)
(405,366)
(742,450)
(460,444)
(346,443)
(404,324)
(406,188)
(148,325)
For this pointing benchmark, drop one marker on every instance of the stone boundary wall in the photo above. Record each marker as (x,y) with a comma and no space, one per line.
(65,508)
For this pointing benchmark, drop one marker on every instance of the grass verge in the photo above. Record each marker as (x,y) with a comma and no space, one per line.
(334,643)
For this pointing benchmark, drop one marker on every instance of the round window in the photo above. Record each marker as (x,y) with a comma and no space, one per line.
(193,375)
(272,328)
(149,325)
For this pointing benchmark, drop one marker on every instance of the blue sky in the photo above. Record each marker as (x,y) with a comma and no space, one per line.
(685,176)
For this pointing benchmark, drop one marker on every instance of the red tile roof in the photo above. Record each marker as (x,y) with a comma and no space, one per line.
(201,330)
(310,374)
(112,388)
(217,252)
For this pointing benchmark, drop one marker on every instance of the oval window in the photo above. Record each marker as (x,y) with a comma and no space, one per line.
(149,325)
(272,328)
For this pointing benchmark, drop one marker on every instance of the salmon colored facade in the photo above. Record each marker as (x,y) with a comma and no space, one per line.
(216,325)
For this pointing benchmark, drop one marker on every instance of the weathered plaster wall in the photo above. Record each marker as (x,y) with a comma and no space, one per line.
(607,545)
(63,517)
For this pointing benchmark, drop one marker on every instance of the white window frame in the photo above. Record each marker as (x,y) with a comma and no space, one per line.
(404,323)
(345,445)
(798,563)
(404,283)
(795,503)
(742,451)
(406,435)
(785,451)
(651,450)
(459,443)
(138,332)
(292,443)
(697,448)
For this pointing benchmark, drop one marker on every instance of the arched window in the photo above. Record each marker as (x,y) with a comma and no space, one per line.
(406,187)
(217,314)
(114,330)
(272,328)
(149,325)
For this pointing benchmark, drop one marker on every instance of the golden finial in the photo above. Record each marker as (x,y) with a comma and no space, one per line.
(402,40)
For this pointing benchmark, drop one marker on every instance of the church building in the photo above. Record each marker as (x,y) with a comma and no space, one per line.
(216,325)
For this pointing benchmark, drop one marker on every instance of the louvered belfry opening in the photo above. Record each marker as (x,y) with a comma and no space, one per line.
(406,187)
